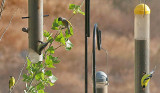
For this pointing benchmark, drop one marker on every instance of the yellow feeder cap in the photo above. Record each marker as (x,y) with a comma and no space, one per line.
(140,9)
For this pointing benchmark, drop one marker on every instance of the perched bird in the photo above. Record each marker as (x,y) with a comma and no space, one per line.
(66,23)
(145,79)
(11,82)
(42,46)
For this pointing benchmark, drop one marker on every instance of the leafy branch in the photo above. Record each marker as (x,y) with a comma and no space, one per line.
(39,75)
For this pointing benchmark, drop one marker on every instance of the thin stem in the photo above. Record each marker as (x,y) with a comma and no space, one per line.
(58,47)
(52,42)
(2,7)
(82,3)
(19,76)
(8,25)
(71,17)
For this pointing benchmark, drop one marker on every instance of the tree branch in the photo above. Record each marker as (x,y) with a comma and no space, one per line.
(19,76)
(8,25)
(2,7)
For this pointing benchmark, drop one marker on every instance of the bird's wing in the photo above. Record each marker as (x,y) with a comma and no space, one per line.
(147,78)
(9,84)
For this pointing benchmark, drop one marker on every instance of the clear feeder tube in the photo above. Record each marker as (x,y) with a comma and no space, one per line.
(142,46)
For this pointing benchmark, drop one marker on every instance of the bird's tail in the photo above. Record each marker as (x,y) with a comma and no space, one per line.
(153,70)
(69,31)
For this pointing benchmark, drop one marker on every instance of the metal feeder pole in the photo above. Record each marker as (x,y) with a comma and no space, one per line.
(142,39)
(87,34)
(95,30)
(35,14)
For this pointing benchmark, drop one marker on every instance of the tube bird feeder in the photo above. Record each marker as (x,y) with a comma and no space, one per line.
(142,39)
(101,82)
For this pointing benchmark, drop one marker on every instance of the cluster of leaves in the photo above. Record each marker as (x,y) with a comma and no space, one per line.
(37,77)
(39,74)
(76,9)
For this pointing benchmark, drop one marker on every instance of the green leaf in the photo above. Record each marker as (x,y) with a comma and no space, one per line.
(46,34)
(69,45)
(60,38)
(81,12)
(55,60)
(49,62)
(56,24)
(40,86)
(76,9)
(40,91)
(50,50)
(71,6)
(67,35)
(28,64)
(39,76)
(52,79)
(51,84)
(26,78)
(48,73)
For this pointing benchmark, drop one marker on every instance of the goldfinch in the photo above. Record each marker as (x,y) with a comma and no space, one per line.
(146,78)
(66,23)
(11,82)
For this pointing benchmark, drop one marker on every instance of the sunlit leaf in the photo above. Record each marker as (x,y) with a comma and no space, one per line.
(46,34)
(50,50)
(40,91)
(51,84)
(49,62)
(48,73)
(71,6)
(52,79)
(40,86)
(56,24)
(26,78)
(76,9)
(60,38)
(69,45)
(39,76)
(55,60)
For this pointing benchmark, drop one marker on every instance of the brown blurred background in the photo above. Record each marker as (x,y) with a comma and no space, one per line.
(116,20)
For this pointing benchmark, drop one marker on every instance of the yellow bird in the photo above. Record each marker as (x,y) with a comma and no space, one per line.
(11,82)
(66,23)
(145,79)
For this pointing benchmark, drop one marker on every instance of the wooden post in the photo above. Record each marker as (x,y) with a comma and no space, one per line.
(35,14)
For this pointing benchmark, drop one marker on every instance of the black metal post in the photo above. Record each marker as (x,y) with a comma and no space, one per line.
(87,34)
(98,32)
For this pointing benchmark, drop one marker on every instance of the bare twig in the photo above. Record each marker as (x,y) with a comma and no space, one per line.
(2,7)
(21,71)
(58,47)
(8,25)
(71,17)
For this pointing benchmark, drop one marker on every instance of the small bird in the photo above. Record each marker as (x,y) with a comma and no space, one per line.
(145,79)
(66,23)
(42,46)
(11,82)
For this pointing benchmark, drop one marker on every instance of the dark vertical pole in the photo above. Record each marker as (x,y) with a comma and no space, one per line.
(94,59)
(87,18)
(87,34)
(98,32)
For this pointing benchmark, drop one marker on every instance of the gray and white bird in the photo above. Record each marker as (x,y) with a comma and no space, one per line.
(66,23)
(42,46)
